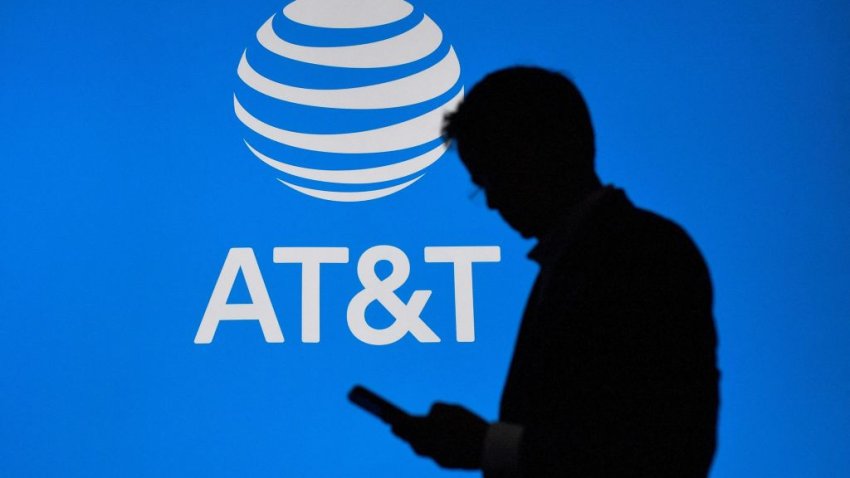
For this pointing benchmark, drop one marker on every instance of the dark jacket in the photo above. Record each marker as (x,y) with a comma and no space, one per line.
(614,371)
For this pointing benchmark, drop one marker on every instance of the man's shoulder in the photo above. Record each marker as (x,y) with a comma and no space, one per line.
(620,222)
(626,236)
(660,230)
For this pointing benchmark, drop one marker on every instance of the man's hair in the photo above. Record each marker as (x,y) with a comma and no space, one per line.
(524,114)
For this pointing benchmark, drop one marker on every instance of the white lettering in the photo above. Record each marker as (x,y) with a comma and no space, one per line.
(310,259)
(260,308)
(462,259)
(407,313)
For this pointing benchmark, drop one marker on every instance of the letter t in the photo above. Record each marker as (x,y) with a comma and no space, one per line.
(310,259)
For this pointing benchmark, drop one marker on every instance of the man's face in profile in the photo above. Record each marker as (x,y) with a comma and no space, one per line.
(512,193)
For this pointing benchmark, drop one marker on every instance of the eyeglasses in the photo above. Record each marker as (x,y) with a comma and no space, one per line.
(476,195)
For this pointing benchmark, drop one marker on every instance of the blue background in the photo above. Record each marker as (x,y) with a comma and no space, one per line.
(125,182)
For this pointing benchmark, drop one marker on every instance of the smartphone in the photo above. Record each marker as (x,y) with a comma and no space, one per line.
(376,405)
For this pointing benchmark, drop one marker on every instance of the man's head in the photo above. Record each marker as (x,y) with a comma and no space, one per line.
(526,138)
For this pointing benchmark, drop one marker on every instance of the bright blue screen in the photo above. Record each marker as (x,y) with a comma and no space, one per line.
(126,183)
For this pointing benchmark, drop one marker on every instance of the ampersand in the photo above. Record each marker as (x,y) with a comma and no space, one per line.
(406,314)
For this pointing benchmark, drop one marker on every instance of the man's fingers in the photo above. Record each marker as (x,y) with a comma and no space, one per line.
(405,428)
(416,432)
(450,434)
(440,409)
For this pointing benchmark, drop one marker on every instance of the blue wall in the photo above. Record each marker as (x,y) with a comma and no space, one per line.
(126,182)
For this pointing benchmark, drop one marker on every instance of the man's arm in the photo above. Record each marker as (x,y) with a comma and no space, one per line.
(449,434)
(454,437)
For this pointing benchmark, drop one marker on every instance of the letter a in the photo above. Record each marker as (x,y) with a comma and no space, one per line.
(259,309)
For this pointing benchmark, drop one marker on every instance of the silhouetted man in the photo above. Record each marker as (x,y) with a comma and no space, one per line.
(613,373)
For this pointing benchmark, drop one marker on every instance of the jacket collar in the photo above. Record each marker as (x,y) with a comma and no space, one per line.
(552,244)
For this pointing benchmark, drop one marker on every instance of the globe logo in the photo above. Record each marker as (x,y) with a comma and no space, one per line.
(346,98)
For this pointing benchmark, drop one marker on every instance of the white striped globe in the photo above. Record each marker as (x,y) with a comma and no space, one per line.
(393,89)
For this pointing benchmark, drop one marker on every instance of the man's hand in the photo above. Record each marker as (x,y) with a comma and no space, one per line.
(450,434)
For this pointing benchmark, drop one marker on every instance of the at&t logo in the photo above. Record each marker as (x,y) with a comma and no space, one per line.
(345,99)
